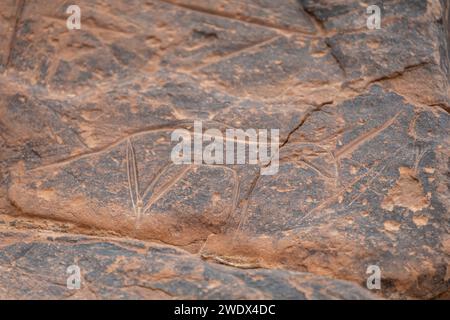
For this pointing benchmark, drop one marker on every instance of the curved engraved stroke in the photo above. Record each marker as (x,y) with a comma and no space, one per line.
(140,205)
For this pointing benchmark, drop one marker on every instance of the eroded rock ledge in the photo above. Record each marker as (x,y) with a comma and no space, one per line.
(364,149)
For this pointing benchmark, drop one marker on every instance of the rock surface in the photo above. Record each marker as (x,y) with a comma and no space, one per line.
(364,149)
(130,269)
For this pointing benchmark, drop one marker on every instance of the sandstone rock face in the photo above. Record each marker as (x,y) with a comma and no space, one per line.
(127,269)
(87,178)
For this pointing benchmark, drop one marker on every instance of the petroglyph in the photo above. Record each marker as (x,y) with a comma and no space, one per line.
(87,178)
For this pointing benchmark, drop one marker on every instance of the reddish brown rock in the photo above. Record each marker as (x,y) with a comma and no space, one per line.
(112,268)
(86,118)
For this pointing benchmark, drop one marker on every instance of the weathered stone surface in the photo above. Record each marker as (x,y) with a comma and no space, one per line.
(34,266)
(364,149)
(407,49)
(369,183)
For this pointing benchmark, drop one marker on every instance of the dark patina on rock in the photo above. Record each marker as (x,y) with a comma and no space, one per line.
(364,149)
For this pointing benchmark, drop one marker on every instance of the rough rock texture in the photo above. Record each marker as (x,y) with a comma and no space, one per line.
(364,149)
(129,269)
